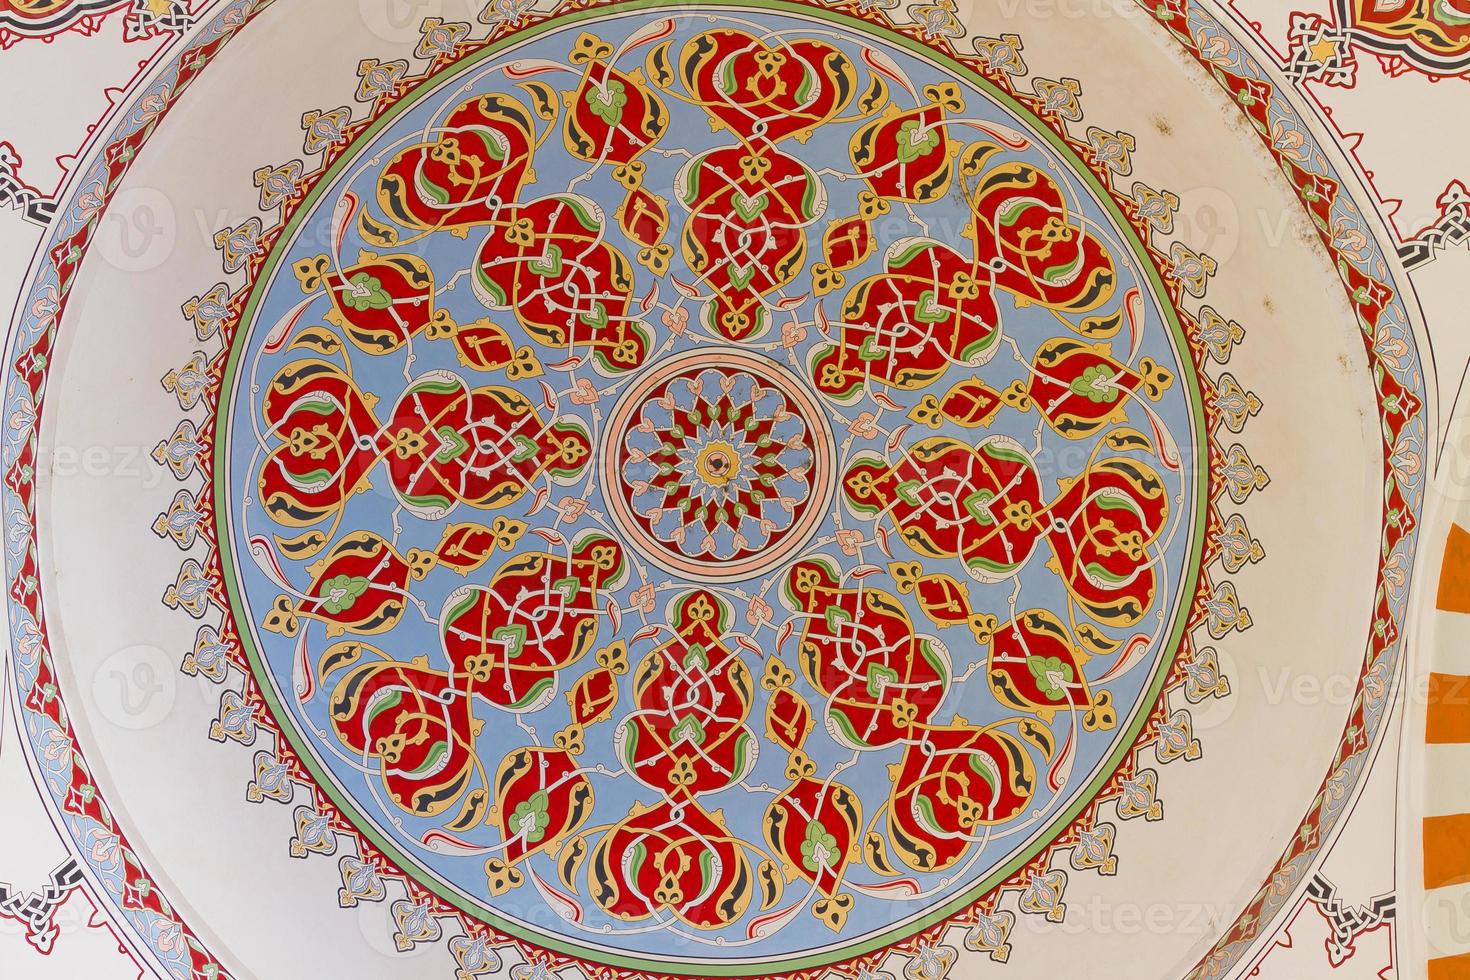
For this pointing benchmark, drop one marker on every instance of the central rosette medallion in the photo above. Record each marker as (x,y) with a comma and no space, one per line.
(719,464)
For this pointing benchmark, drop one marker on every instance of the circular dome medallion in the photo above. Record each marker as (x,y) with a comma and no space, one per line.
(699,493)
(718,465)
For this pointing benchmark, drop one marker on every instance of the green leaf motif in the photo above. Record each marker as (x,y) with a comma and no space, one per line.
(1096,384)
(819,850)
(1051,674)
(526,449)
(697,658)
(836,616)
(596,318)
(432,758)
(749,207)
(740,276)
(366,292)
(977,505)
(340,591)
(532,817)
(549,265)
(908,492)
(914,141)
(607,101)
(452,445)
(928,310)
(688,729)
(513,636)
(879,677)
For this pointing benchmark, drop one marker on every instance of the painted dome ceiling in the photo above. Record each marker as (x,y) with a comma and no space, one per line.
(724,489)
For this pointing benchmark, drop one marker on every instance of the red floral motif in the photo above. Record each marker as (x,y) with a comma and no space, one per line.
(546,261)
(469,176)
(932,306)
(445,443)
(414,724)
(511,640)
(745,237)
(1026,236)
(692,695)
(1432,35)
(549,263)
(885,683)
(906,326)
(750,203)
(673,857)
(860,650)
(358,587)
(752,89)
(1036,666)
(983,504)
(1080,389)
(816,826)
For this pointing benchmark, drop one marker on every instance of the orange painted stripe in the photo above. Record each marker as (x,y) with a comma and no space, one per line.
(1454,573)
(1448,714)
(1450,968)
(1446,850)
